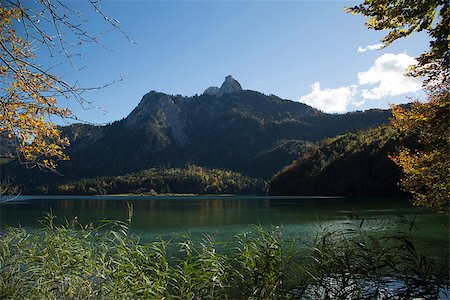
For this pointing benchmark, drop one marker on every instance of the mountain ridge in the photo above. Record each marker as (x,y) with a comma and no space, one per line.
(241,130)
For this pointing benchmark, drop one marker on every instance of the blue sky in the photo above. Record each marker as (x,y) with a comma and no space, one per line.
(299,50)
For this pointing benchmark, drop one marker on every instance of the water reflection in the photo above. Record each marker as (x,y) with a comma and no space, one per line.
(225,217)
(186,212)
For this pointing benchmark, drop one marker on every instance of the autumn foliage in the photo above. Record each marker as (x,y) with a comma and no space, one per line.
(28,99)
(425,169)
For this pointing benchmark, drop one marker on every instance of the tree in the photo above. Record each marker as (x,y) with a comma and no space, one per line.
(31,93)
(426,168)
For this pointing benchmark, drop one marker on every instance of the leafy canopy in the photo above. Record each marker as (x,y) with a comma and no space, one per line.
(425,169)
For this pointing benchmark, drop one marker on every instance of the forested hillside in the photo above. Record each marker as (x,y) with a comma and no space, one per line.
(350,164)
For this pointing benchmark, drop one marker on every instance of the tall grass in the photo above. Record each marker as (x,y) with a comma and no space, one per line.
(67,260)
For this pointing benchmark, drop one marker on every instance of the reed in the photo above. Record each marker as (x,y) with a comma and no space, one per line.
(68,260)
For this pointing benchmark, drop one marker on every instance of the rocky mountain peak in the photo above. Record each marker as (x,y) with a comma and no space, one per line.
(230,85)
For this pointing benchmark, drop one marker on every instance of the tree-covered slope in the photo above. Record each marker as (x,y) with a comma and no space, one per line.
(347,165)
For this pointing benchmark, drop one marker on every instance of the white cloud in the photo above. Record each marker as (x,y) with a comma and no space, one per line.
(385,78)
(329,100)
(370,48)
(387,74)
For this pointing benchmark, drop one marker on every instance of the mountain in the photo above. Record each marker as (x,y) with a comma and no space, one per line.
(225,128)
(353,164)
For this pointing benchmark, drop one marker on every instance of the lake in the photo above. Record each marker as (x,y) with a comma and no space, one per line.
(224,217)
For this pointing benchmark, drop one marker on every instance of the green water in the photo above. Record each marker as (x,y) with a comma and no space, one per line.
(226,216)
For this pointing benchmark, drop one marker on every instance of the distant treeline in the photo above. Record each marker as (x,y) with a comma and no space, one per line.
(191,179)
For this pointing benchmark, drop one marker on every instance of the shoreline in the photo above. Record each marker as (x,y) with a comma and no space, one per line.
(124,197)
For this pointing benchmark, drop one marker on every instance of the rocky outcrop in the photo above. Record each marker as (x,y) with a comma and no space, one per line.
(230,85)
(160,112)
(212,91)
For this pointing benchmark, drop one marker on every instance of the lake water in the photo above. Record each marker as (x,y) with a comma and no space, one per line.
(224,217)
